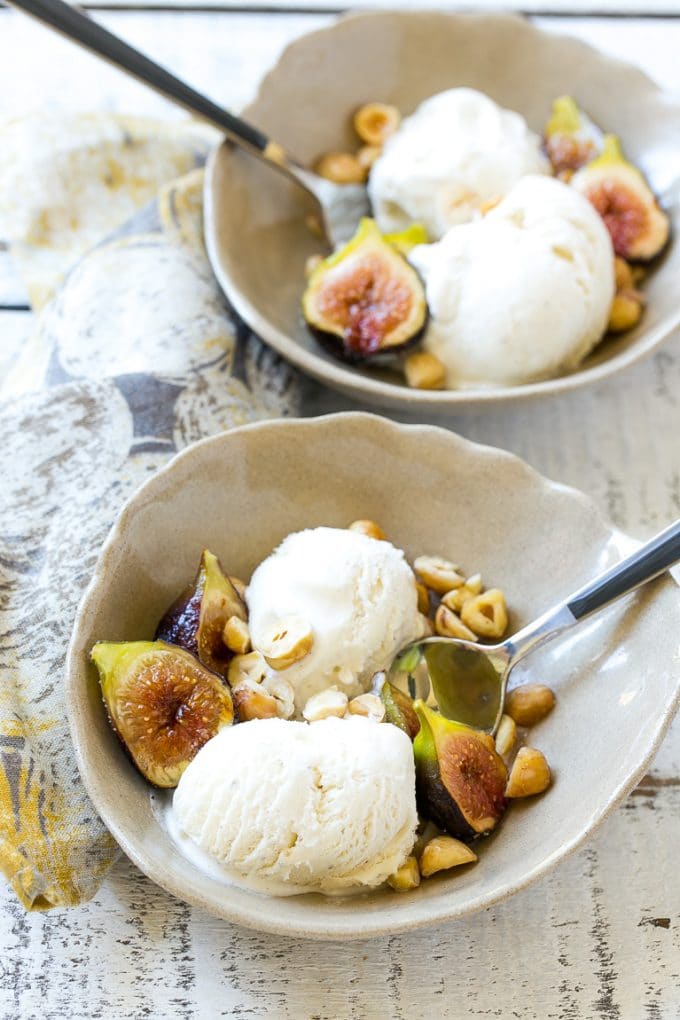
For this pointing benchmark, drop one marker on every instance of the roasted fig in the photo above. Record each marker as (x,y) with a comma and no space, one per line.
(571,139)
(460,778)
(639,228)
(365,299)
(399,709)
(163,704)
(196,621)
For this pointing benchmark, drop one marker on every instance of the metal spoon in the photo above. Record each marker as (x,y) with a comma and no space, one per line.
(468,681)
(339,207)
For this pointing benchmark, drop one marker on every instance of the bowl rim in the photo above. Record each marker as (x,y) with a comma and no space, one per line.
(364,926)
(387,394)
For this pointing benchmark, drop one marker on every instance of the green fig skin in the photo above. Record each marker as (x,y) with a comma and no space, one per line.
(162,704)
(638,226)
(365,300)
(443,752)
(571,139)
(195,621)
(399,710)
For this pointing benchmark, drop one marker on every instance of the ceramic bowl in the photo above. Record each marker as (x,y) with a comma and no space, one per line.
(615,677)
(254,224)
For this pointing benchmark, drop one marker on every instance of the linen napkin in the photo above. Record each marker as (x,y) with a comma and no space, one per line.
(133,357)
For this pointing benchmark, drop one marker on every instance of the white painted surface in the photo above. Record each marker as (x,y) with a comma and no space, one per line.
(600,938)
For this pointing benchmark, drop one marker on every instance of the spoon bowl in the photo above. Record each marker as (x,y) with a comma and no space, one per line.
(467,682)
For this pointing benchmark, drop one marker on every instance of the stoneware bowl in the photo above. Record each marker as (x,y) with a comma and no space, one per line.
(254,223)
(241,492)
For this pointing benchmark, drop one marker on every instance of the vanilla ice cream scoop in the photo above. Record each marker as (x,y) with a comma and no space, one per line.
(289,807)
(523,293)
(456,153)
(358,596)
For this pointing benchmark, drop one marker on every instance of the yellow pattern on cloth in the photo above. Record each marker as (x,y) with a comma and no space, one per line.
(134,356)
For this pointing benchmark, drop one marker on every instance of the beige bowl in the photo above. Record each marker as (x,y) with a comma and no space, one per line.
(254,224)
(241,492)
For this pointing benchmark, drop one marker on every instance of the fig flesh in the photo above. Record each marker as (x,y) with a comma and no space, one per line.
(639,228)
(570,139)
(460,778)
(196,621)
(365,299)
(162,703)
(399,709)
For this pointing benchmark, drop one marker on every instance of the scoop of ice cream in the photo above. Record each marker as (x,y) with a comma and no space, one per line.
(522,294)
(358,595)
(291,807)
(458,151)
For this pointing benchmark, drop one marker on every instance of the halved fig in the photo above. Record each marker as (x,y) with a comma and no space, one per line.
(639,228)
(399,709)
(162,703)
(460,778)
(197,619)
(365,299)
(570,138)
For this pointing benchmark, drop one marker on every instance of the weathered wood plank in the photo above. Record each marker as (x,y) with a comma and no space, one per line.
(590,941)
(226,54)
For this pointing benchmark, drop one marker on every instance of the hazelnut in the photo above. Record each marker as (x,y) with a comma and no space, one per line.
(341,168)
(375,122)
(369,705)
(529,703)
(438,574)
(236,635)
(286,642)
(529,775)
(486,614)
(281,690)
(623,274)
(424,371)
(330,702)
(254,703)
(626,311)
(406,877)
(457,598)
(444,852)
(368,528)
(448,624)
(506,735)
(246,669)
(423,598)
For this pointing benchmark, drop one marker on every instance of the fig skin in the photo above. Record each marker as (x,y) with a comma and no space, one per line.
(196,620)
(399,710)
(405,240)
(570,138)
(460,778)
(638,227)
(365,300)
(162,703)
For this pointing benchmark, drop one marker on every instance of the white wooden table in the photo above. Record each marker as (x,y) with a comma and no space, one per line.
(598,938)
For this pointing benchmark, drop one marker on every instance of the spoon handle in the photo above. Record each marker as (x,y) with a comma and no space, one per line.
(79,28)
(646,563)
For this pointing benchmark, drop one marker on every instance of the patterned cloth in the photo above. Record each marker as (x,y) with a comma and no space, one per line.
(134,357)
